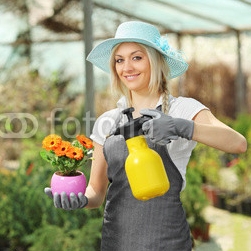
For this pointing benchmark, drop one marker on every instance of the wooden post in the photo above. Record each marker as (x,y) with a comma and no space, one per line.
(89,106)
(240,99)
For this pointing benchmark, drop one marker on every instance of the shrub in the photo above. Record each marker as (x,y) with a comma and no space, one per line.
(28,216)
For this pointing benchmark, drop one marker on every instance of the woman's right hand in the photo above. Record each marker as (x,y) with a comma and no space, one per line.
(62,200)
(161,129)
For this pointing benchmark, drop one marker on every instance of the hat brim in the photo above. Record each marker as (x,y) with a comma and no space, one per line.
(100,55)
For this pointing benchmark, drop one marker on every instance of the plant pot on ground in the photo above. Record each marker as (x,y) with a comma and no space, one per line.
(246,206)
(221,200)
(211,193)
(201,232)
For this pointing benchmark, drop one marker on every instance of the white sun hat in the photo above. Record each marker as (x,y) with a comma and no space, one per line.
(143,33)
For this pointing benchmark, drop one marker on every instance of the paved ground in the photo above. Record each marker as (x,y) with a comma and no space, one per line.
(228,231)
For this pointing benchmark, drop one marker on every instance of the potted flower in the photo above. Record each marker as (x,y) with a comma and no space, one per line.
(67,157)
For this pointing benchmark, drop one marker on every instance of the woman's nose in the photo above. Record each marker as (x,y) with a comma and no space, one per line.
(127,65)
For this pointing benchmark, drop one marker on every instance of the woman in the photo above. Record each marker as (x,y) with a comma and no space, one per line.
(141,63)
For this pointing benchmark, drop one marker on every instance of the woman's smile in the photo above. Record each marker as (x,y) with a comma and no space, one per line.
(132,77)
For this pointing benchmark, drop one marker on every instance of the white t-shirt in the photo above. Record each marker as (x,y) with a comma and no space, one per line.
(179,150)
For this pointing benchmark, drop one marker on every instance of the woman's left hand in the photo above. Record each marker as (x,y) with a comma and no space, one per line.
(161,129)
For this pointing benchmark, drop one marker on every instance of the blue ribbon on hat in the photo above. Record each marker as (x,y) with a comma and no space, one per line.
(162,43)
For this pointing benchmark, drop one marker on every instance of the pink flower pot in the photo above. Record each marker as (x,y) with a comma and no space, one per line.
(68,184)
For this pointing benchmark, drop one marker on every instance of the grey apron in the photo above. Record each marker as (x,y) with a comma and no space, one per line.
(158,224)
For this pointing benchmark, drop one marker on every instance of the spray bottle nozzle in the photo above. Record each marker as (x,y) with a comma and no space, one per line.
(128,112)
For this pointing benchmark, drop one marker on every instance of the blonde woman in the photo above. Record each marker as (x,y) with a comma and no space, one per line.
(141,63)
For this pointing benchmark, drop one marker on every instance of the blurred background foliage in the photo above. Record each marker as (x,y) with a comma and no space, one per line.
(29,220)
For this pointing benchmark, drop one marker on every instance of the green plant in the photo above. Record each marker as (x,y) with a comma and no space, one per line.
(207,161)
(194,200)
(20,209)
(24,208)
(25,212)
(242,167)
(56,238)
(242,124)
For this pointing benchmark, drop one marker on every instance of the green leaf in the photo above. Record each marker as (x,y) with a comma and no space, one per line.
(46,155)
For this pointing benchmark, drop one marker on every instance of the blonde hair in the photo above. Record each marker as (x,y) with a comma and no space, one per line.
(158,80)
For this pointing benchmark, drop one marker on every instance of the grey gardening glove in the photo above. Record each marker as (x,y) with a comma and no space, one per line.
(161,129)
(62,201)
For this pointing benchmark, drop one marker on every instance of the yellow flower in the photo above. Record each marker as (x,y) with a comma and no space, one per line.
(51,142)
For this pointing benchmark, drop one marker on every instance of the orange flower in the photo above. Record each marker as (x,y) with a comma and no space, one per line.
(62,149)
(51,142)
(75,153)
(66,156)
(84,141)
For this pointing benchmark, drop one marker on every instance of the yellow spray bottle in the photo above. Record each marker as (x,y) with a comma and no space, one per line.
(144,167)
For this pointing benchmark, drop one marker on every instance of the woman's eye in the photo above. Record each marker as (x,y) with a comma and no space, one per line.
(137,58)
(118,60)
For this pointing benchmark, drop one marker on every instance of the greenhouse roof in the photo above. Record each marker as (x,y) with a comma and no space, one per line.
(186,16)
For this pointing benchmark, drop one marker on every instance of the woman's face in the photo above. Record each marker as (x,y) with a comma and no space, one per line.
(133,67)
